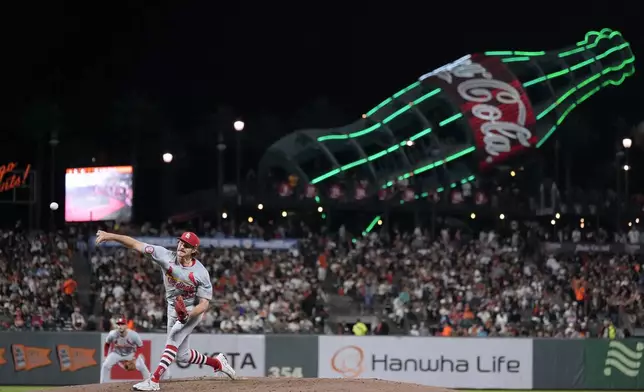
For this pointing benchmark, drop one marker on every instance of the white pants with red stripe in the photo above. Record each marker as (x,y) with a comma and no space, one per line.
(179,334)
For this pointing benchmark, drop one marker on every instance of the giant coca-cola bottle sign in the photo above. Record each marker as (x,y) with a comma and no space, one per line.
(494,103)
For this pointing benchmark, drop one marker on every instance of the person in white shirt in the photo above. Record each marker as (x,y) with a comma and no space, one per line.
(633,236)
(553,264)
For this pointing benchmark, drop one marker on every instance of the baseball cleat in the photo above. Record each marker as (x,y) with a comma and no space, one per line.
(147,385)
(225,367)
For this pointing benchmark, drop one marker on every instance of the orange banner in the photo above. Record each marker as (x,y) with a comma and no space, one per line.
(9,180)
(102,169)
(72,359)
(29,358)
(2,360)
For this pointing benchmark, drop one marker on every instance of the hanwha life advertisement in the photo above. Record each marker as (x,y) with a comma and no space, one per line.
(442,362)
(245,354)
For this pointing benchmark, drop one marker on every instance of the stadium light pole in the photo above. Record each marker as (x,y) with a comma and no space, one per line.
(239,127)
(627,143)
(168,183)
(221,147)
(53,142)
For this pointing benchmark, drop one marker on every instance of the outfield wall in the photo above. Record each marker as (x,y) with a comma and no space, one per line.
(70,358)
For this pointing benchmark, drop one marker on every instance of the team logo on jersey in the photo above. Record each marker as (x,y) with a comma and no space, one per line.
(149,250)
(189,288)
(72,359)
(29,358)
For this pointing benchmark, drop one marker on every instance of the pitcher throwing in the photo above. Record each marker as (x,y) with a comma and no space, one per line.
(188,292)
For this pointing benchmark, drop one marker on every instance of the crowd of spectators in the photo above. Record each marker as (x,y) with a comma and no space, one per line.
(496,282)
(37,286)
(490,285)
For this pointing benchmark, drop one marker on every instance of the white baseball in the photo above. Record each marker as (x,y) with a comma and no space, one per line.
(53,206)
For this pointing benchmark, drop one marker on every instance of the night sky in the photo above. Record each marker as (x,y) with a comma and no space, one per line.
(279,68)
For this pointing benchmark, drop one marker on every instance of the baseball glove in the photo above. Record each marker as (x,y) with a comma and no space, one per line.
(180,308)
(129,365)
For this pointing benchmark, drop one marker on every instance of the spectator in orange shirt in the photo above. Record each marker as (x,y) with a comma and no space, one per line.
(579,287)
(468,314)
(69,286)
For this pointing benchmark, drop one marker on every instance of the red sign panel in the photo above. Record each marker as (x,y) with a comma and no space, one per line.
(493,101)
(119,373)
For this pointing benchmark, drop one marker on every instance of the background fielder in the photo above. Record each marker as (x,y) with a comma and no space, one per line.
(123,345)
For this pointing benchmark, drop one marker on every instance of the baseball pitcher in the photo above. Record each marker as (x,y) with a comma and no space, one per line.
(123,346)
(188,293)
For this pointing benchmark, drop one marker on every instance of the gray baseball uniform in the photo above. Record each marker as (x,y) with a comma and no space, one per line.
(124,345)
(191,282)
(123,348)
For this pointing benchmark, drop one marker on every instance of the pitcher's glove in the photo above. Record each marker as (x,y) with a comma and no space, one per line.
(180,308)
(129,365)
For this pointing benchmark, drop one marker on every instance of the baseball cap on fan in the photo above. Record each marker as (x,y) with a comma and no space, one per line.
(190,238)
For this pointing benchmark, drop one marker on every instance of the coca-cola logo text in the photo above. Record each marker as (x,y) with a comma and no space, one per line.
(496,109)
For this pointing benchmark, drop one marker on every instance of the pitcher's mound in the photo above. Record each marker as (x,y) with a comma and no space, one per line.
(264,385)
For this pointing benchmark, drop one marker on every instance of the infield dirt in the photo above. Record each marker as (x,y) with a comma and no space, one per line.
(263,385)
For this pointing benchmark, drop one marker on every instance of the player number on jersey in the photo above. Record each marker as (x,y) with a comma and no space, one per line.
(285,371)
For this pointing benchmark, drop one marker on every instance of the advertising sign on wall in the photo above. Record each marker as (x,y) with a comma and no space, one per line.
(492,99)
(10,180)
(245,354)
(219,243)
(613,364)
(574,247)
(442,362)
(48,358)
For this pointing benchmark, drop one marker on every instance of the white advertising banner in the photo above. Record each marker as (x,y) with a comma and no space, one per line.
(475,363)
(245,354)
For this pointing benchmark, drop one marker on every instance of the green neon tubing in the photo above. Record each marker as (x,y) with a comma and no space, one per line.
(568,93)
(384,152)
(604,34)
(583,46)
(580,64)
(371,225)
(523,56)
(588,95)
(386,120)
(589,34)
